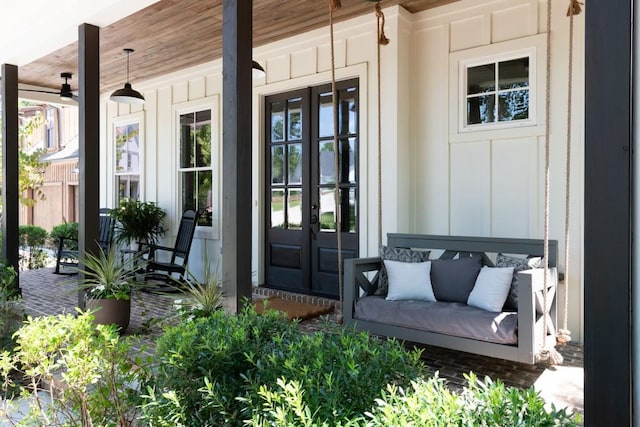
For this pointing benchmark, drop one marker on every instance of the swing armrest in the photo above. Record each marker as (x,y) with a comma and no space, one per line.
(531,308)
(356,284)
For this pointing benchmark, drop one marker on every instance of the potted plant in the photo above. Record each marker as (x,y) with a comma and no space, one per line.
(108,282)
(138,222)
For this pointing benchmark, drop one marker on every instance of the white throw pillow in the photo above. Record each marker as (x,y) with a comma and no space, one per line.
(491,288)
(409,280)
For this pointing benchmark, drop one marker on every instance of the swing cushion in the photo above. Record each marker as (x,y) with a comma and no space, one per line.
(396,254)
(518,264)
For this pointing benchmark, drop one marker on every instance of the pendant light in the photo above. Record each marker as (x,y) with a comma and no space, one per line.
(257,72)
(127,95)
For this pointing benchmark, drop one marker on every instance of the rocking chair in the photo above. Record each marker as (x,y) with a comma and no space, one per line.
(164,271)
(67,254)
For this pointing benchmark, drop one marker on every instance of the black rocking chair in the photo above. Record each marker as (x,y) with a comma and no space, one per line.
(164,271)
(67,255)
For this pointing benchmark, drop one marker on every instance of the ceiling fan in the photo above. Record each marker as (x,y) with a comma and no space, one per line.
(65,90)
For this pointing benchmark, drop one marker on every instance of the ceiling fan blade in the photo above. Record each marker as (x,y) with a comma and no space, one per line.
(40,91)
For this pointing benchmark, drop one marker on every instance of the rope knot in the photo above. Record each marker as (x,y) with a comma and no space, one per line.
(382,38)
(575,8)
(336,4)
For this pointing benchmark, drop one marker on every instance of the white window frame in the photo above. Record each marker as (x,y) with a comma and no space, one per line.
(210,103)
(532,47)
(134,118)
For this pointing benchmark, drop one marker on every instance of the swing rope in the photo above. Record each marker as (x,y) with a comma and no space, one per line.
(381,40)
(335,4)
(564,334)
(547,352)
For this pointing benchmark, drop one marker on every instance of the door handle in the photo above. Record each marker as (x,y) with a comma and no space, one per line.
(314,219)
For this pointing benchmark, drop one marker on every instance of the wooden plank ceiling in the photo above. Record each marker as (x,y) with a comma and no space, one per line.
(171,35)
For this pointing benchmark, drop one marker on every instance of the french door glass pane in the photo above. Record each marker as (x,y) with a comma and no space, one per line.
(295,164)
(294,209)
(348,148)
(513,105)
(347,166)
(349,106)
(326,162)
(481,79)
(325,115)
(327,209)
(353,213)
(277,164)
(277,208)
(295,119)
(277,122)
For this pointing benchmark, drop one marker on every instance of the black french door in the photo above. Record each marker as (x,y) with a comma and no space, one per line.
(301,239)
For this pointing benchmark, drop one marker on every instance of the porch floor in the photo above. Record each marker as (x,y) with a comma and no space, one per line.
(45,293)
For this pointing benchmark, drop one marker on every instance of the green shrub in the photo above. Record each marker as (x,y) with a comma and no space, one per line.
(87,368)
(33,238)
(426,403)
(212,370)
(66,230)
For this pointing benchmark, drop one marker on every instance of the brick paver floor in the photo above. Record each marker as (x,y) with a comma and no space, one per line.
(45,293)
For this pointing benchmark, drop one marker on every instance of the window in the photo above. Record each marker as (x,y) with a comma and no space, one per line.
(195,168)
(50,136)
(127,162)
(497,92)
(496,89)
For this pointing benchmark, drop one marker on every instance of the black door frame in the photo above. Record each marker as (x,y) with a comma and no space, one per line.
(311,265)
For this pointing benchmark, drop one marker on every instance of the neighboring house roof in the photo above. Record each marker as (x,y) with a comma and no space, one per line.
(70,151)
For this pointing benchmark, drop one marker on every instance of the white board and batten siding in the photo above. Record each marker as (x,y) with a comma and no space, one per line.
(436,178)
(491,182)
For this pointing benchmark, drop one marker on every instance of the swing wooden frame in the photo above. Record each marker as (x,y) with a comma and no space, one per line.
(533,318)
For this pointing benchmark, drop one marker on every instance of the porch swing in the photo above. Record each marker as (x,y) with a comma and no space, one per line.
(534,330)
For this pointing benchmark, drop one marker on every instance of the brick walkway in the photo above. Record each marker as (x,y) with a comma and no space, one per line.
(46,293)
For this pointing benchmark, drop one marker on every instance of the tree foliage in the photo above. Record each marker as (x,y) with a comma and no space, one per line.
(30,167)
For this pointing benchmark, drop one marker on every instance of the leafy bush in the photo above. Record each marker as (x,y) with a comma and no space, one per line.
(212,370)
(66,230)
(427,402)
(33,238)
(88,370)
(11,310)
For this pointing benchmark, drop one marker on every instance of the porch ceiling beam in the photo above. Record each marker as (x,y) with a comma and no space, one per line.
(10,166)
(236,152)
(89,139)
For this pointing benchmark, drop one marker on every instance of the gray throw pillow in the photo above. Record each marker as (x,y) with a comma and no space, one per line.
(396,254)
(453,279)
(518,264)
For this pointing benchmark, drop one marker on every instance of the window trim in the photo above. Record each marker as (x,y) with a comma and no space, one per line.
(208,103)
(532,47)
(122,121)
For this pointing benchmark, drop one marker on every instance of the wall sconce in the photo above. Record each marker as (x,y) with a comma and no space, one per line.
(127,95)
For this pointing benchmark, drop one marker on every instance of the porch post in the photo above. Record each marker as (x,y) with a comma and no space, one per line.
(608,266)
(89,140)
(10,206)
(236,152)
